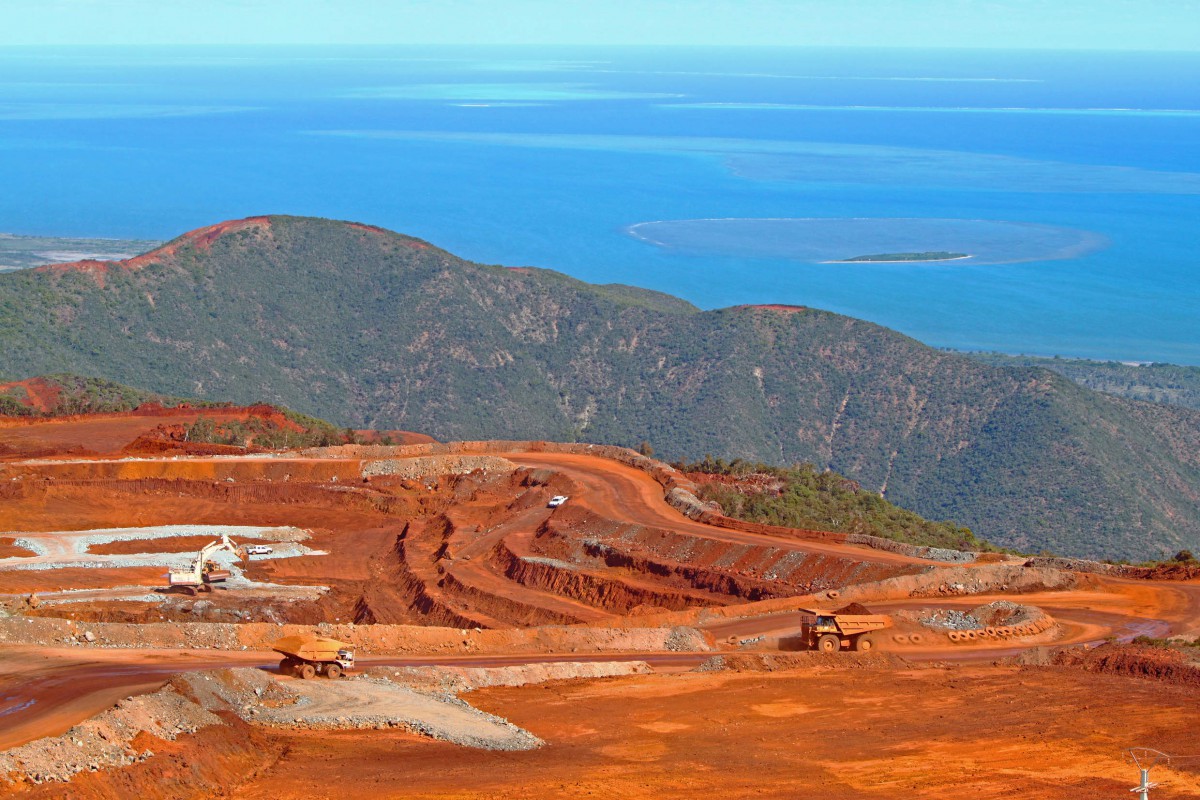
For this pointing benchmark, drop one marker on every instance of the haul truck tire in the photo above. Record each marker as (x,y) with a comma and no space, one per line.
(829,643)
(306,671)
(333,670)
(864,643)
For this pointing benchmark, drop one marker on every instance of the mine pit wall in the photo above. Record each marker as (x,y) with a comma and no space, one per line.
(679,491)
(416,596)
(1163,572)
(191,469)
(336,495)
(368,639)
(416,586)
(598,591)
(963,581)
(433,466)
(508,610)
(353,463)
(749,572)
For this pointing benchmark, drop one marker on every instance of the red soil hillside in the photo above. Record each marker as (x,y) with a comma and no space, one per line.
(109,433)
(39,394)
(201,238)
(198,240)
(71,414)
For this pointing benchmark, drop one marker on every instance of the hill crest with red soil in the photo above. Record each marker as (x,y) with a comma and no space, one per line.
(373,329)
(70,414)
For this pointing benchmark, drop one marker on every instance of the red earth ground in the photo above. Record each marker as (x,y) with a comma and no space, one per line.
(494,575)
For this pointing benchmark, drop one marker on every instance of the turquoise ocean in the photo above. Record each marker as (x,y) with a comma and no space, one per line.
(725,176)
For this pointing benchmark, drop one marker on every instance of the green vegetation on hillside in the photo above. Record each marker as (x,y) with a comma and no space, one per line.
(372,329)
(265,433)
(1158,383)
(77,394)
(10,406)
(801,496)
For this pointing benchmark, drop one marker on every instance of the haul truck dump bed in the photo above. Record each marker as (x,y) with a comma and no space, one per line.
(306,656)
(830,631)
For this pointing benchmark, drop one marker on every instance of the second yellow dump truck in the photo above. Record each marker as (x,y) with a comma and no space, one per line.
(308,656)
(831,631)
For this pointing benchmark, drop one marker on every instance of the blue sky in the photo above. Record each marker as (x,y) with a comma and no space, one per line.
(1052,24)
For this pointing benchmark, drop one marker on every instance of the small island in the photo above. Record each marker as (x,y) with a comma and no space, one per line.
(938,255)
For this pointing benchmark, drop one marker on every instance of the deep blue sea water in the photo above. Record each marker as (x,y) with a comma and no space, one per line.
(548,156)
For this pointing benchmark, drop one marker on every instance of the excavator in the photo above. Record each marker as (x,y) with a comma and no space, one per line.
(203,572)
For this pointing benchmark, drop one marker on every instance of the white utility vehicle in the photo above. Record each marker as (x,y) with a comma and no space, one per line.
(557,500)
(259,550)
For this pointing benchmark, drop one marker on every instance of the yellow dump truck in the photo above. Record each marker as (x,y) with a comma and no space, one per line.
(831,631)
(307,656)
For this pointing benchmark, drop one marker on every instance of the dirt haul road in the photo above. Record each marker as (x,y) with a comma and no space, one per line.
(44,691)
(1111,608)
(620,492)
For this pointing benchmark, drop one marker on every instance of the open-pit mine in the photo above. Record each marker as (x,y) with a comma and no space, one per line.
(629,641)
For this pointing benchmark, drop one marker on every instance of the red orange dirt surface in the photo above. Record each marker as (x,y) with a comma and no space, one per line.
(982,732)
(449,554)
(96,434)
(201,238)
(9,548)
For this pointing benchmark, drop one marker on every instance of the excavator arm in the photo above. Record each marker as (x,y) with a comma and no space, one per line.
(195,575)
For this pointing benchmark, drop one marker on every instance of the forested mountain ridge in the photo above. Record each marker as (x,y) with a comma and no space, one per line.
(1173,384)
(373,329)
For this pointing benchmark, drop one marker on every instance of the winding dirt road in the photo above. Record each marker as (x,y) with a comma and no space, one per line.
(626,494)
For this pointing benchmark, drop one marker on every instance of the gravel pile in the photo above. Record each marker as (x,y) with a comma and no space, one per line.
(951,620)
(189,701)
(455,680)
(106,740)
(685,640)
(241,690)
(436,466)
(367,702)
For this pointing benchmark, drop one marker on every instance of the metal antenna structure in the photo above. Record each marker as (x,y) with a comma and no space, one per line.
(1146,759)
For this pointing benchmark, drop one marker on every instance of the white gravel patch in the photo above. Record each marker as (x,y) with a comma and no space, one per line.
(33,545)
(60,549)
(102,594)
